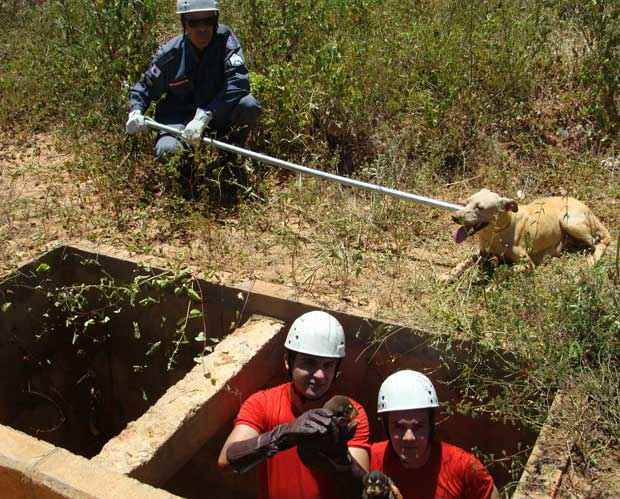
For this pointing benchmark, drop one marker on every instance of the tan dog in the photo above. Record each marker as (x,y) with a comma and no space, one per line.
(527,233)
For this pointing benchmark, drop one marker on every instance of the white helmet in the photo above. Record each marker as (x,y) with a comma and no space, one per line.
(405,390)
(316,333)
(187,6)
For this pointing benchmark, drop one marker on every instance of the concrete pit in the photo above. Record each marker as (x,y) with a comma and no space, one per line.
(109,393)
(78,362)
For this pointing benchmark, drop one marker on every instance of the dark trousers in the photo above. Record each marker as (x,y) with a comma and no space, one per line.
(235,128)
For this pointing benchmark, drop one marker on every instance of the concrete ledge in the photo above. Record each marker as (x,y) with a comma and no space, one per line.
(31,468)
(547,462)
(156,445)
(19,454)
(224,278)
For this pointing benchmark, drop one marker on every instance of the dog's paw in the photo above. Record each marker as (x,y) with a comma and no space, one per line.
(590,260)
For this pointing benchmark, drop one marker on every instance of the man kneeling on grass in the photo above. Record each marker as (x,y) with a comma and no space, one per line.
(201,82)
(417,465)
(292,434)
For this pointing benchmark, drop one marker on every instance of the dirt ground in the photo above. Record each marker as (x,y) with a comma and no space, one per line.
(579,480)
(346,259)
(41,205)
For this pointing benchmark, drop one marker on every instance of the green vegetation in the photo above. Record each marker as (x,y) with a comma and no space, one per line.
(437,97)
(558,329)
(98,339)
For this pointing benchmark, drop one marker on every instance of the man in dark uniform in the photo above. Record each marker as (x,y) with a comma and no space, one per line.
(200,80)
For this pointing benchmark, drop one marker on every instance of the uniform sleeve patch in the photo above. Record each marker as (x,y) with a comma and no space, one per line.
(235,60)
(154,71)
(232,43)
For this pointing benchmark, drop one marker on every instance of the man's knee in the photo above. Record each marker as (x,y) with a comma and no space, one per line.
(247,111)
(167,146)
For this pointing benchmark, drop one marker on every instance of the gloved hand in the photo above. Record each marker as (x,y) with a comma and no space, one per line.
(244,455)
(341,429)
(312,423)
(192,133)
(135,122)
(329,447)
(344,422)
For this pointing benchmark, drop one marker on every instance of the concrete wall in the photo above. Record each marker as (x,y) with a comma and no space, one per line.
(550,456)
(17,325)
(31,468)
(155,446)
(176,442)
(79,396)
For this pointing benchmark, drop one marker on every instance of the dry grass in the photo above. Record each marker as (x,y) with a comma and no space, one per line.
(338,245)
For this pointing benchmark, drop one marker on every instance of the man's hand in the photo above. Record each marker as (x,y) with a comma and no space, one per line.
(192,133)
(244,455)
(312,423)
(135,122)
(344,421)
(332,444)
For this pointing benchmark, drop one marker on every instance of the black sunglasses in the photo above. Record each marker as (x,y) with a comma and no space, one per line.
(203,21)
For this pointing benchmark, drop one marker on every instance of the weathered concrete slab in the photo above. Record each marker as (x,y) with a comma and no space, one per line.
(547,462)
(156,445)
(31,468)
(19,454)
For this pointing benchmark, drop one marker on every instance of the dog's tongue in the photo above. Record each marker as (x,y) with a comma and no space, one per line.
(460,235)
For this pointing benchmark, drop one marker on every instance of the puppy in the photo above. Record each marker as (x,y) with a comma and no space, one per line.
(379,486)
(527,233)
(334,443)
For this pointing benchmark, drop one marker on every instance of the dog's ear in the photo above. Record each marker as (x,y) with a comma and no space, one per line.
(509,205)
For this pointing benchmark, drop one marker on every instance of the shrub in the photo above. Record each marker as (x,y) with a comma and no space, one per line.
(560,327)
(80,57)
(599,24)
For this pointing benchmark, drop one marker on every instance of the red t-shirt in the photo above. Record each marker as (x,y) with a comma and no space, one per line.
(284,476)
(450,473)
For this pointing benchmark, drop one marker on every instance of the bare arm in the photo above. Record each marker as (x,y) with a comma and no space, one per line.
(239,434)
(361,456)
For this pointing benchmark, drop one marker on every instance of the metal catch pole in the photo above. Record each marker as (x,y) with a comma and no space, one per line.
(310,171)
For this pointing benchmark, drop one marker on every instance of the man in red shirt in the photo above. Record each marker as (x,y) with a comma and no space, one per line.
(420,467)
(271,423)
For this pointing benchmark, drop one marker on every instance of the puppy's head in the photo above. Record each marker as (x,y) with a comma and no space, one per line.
(341,406)
(481,209)
(376,484)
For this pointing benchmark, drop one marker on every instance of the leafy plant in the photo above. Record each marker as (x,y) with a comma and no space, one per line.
(599,24)
(557,329)
(87,327)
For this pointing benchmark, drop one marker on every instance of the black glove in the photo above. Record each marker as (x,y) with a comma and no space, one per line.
(310,425)
(244,455)
(334,443)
